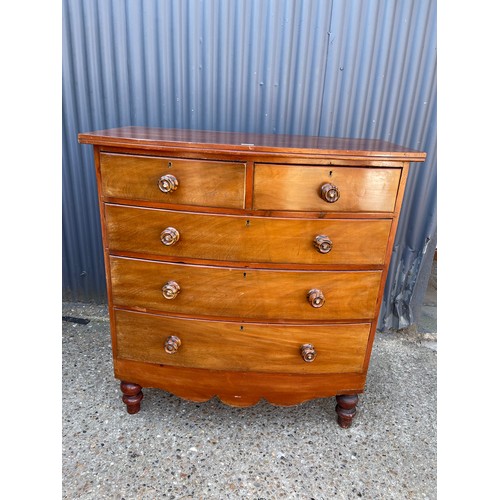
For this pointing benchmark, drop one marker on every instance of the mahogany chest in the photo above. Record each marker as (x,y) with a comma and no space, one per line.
(246,266)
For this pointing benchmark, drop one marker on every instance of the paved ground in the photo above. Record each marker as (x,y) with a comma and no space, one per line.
(181,450)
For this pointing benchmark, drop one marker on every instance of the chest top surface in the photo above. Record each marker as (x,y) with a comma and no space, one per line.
(159,138)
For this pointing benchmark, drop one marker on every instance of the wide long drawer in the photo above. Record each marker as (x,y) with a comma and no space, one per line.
(349,189)
(339,348)
(244,293)
(173,180)
(250,239)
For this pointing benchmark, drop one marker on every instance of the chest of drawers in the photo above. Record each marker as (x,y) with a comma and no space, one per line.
(246,266)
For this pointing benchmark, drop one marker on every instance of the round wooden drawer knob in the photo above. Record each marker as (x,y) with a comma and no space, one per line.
(322,243)
(316,297)
(169,236)
(168,183)
(330,193)
(171,289)
(172,344)
(308,353)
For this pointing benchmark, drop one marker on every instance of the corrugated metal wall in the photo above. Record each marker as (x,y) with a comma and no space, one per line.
(354,68)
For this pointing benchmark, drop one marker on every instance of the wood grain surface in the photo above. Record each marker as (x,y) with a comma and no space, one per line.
(148,138)
(201,182)
(250,239)
(240,293)
(236,301)
(237,388)
(243,347)
(282,187)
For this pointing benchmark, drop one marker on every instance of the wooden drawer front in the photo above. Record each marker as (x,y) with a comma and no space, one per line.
(242,347)
(251,239)
(243,293)
(362,189)
(201,182)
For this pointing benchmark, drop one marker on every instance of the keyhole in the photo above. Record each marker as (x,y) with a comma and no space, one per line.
(331,173)
(247,223)
(244,275)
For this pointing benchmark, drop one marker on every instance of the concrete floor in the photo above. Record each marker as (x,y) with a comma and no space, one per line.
(181,450)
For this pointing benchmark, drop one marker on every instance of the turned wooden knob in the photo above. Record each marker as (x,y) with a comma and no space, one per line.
(172,344)
(308,353)
(316,297)
(169,236)
(171,289)
(329,192)
(168,183)
(322,243)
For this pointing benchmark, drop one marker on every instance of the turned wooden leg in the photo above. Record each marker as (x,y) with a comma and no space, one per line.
(132,396)
(346,409)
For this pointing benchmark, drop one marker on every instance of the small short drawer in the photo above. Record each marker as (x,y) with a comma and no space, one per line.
(249,239)
(331,188)
(173,180)
(244,293)
(218,345)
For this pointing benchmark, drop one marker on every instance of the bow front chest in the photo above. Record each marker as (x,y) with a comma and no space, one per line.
(245,266)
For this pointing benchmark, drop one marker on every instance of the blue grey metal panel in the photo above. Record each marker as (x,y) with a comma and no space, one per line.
(355,68)
(381,83)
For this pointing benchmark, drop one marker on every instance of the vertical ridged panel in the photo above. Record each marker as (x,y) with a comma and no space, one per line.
(340,68)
